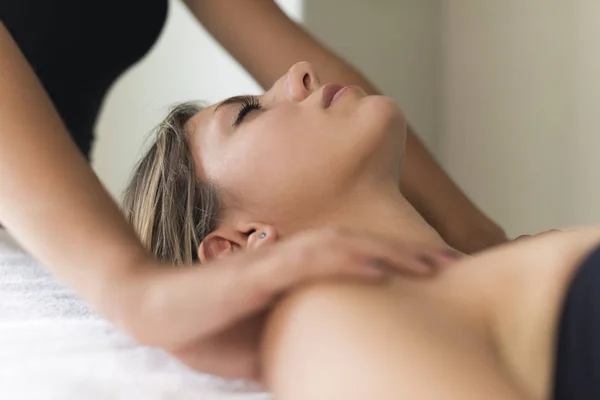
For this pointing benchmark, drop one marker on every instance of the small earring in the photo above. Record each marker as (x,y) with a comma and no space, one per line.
(262,235)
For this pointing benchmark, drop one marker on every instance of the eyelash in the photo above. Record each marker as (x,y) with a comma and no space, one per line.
(249,104)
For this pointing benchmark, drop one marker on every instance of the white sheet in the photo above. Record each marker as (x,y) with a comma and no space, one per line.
(53,347)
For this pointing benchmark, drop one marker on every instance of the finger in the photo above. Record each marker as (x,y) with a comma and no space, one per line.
(325,262)
(336,262)
(397,259)
(523,237)
(434,259)
(448,257)
(551,231)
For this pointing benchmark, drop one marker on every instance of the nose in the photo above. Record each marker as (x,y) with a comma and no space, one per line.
(301,81)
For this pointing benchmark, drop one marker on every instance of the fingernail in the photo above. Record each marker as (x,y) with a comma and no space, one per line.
(379,263)
(453,254)
(427,261)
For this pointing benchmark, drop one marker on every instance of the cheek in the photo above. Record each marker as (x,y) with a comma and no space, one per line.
(278,138)
(252,161)
(266,185)
(276,160)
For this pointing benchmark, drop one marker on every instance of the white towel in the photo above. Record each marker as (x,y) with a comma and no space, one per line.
(53,347)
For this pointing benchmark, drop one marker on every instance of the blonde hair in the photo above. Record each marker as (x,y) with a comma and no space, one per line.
(171,210)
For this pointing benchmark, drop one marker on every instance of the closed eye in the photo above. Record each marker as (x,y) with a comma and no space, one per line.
(247,105)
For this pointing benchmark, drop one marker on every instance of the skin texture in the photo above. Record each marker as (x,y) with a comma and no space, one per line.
(266,42)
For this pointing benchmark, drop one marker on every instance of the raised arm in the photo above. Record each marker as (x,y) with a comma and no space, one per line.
(266,42)
(50,200)
(54,204)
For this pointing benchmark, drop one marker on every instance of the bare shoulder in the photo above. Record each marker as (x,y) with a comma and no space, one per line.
(479,318)
(356,341)
(521,286)
(511,274)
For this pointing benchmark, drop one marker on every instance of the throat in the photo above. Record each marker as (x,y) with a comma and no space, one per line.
(383,212)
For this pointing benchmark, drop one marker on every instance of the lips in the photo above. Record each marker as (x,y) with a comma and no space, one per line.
(329,92)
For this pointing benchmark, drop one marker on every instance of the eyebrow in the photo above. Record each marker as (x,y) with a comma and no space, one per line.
(233,100)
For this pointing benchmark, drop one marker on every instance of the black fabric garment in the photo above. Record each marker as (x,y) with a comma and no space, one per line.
(577,361)
(78,49)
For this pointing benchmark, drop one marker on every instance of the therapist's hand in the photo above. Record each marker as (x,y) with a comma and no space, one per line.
(211,317)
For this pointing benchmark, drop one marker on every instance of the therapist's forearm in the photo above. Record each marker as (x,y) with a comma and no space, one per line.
(50,199)
(266,42)
(441,202)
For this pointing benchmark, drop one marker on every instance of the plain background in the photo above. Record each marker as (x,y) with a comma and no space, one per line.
(504,93)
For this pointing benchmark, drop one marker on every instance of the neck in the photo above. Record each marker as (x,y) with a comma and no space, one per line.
(381,211)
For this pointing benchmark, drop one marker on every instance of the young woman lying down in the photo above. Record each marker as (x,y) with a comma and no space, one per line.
(307,166)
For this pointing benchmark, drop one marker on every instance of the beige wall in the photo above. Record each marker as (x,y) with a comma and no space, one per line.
(520,92)
(584,165)
(395,43)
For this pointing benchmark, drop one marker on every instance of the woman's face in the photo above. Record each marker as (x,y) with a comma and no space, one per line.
(297,145)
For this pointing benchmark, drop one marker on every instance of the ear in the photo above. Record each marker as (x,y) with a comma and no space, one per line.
(225,241)
(215,246)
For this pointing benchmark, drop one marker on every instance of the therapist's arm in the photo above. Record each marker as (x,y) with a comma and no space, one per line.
(50,200)
(266,42)
(54,205)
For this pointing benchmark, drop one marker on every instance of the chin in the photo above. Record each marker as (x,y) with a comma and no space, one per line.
(384,120)
(376,137)
(383,112)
